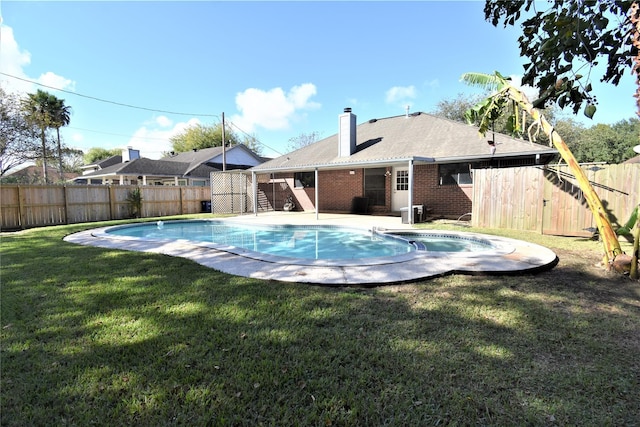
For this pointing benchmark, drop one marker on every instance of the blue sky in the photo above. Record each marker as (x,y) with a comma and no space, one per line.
(276,69)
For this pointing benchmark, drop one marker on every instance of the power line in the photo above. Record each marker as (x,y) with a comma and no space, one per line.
(136,107)
(117,134)
(255,139)
(121,104)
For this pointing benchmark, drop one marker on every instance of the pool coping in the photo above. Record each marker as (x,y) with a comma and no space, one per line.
(515,257)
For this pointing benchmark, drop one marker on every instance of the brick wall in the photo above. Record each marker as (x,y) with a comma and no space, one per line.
(443,200)
(339,187)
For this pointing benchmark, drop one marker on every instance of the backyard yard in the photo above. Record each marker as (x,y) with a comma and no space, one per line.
(93,336)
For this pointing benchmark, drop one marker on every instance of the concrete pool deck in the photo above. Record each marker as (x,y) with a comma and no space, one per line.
(510,257)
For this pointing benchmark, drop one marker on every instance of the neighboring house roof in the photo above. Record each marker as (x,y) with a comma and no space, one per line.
(192,164)
(632,160)
(149,167)
(213,157)
(33,173)
(101,164)
(419,136)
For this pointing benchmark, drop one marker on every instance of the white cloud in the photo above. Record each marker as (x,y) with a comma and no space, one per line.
(55,81)
(400,94)
(13,60)
(432,84)
(164,121)
(152,139)
(273,109)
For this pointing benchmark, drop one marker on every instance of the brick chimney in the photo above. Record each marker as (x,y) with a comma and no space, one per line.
(346,133)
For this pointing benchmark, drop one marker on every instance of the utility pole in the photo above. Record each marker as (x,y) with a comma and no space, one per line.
(224,147)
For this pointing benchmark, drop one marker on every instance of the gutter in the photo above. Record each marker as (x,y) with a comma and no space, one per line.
(458,159)
(328,166)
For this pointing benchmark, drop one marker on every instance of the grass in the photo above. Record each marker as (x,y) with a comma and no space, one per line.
(105,337)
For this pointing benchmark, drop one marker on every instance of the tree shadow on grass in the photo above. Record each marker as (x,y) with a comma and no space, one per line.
(119,338)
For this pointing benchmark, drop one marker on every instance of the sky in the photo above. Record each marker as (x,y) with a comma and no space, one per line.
(137,73)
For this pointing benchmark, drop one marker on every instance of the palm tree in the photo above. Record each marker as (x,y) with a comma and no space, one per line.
(506,93)
(61,116)
(38,107)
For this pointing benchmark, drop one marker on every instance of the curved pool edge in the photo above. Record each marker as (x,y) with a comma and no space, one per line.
(522,257)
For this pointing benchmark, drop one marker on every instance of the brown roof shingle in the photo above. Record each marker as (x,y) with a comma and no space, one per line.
(419,136)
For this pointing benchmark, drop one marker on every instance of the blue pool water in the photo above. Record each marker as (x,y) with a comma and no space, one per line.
(307,242)
(442,242)
(312,242)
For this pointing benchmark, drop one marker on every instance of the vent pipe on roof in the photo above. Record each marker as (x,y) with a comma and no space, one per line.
(406,109)
(346,133)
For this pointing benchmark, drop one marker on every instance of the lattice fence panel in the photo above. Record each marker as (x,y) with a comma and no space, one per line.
(231,192)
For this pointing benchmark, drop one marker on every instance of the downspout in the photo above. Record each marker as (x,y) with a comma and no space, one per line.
(410,196)
(317,193)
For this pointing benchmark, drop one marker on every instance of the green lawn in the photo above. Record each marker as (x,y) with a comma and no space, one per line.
(105,337)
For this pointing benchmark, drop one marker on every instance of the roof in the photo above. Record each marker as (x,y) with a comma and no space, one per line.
(101,164)
(36,172)
(206,155)
(632,160)
(148,167)
(419,136)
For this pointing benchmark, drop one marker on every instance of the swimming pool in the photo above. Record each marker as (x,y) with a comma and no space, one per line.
(320,242)
(419,256)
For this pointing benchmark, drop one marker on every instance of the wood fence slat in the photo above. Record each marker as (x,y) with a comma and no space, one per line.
(27,206)
(548,199)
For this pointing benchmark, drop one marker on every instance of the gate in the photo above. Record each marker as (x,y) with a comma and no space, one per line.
(231,192)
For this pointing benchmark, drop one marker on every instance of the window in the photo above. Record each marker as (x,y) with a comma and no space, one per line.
(304,179)
(455,174)
(402,180)
(375,186)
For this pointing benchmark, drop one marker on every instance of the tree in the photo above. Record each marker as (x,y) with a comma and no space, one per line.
(456,108)
(95,154)
(60,116)
(197,137)
(18,137)
(565,42)
(303,140)
(72,159)
(39,108)
(505,93)
(607,143)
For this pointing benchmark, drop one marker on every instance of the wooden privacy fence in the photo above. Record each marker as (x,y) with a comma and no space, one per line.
(548,199)
(27,206)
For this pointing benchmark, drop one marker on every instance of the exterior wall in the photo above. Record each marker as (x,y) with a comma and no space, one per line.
(237,156)
(339,187)
(443,200)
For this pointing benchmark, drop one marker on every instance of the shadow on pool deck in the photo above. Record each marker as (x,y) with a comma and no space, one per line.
(514,257)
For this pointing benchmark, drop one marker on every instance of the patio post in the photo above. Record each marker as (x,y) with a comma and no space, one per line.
(316,192)
(254,189)
(410,196)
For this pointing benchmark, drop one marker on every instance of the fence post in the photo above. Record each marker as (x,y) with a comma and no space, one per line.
(112,203)
(21,212)
(66,204)
(181,201)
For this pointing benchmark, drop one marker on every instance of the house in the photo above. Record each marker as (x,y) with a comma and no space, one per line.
(189,168)
(384,165)
(33,174)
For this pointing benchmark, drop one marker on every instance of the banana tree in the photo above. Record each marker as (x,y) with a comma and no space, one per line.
(505,94)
